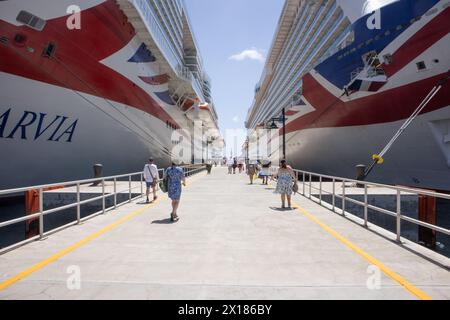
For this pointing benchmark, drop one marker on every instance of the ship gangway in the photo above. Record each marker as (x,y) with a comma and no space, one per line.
(232,242)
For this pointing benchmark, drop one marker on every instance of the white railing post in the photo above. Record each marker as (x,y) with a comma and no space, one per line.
(310,185)
(366,206)
(343,197)
(115,193)
(78,204)
(103,197)
(41,211)
(334,195)
(320,190)
(399,215)
(142,182)
(129,189)
(304,184)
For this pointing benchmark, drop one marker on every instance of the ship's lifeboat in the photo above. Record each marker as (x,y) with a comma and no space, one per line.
(201,112)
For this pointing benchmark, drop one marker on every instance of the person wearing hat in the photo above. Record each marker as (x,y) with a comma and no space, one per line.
(175,176)
(151,178)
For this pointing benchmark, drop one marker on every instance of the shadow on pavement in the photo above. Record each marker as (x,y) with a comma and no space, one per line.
(283,210)
(164,221)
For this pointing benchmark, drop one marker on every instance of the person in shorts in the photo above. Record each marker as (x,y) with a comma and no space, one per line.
(151,178)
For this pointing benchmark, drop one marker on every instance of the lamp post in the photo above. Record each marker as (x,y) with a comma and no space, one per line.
(274,127)
(247,160)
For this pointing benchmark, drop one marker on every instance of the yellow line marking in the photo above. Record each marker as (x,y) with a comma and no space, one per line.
(386,270)
(20,276)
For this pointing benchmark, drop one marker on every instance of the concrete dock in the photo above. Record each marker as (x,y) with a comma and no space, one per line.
(232,242)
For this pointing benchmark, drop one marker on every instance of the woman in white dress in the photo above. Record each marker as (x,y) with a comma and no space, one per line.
(286,180)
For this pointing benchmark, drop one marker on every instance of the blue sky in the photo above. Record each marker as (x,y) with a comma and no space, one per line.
(240,28)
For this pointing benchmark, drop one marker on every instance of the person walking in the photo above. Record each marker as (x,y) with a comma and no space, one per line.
(175,176)
(286,180)
(265,173)
(241,165)
(229,163)
(251,171)
(151,178)
(235,165)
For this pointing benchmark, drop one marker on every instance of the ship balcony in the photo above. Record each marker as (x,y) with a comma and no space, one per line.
(182,81)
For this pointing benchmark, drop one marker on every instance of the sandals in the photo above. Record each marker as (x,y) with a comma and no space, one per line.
(174,218)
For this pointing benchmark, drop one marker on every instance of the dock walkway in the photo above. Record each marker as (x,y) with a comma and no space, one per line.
(231,243)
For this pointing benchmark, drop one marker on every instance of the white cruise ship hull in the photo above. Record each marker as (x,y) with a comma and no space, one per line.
(102,93)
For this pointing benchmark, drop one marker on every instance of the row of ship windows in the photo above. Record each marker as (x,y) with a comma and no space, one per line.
(289,53)
(168,27)
(379,37)
(314,49)
(290,79)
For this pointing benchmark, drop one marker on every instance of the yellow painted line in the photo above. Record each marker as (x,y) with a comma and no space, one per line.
(385,269)
(64,252)
(20,276)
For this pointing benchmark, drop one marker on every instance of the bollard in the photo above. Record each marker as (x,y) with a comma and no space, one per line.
(98,173)
(427,213)
(360,174)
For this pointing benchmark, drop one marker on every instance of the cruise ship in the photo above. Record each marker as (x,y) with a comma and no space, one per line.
(349,74)
(101,81)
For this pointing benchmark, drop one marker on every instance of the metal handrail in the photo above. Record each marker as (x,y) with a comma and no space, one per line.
(188,170)
(307,178)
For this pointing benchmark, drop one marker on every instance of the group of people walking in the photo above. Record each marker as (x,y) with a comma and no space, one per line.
(234,164)
(174,178)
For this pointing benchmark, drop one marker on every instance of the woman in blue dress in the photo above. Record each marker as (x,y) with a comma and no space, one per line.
(286,180)
(175,176)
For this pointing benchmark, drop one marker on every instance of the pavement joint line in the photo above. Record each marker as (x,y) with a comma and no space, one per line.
(40,265)
(385,269)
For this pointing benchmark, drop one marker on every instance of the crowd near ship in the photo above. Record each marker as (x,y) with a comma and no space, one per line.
(349,74)
(101,81)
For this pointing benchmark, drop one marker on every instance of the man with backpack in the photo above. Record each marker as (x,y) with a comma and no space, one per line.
(151,177)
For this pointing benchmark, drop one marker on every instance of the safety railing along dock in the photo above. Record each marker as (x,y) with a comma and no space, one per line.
(311,182)
(133,182)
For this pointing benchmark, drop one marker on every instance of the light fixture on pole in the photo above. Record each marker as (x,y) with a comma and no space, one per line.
(274,126)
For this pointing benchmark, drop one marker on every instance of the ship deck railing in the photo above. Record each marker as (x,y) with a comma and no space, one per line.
(131,184)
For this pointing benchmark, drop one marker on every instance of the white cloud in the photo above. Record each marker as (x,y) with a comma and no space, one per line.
(252,54)
(236,119)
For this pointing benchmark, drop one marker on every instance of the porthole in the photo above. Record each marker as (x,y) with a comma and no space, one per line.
(421,65)
(20,39)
